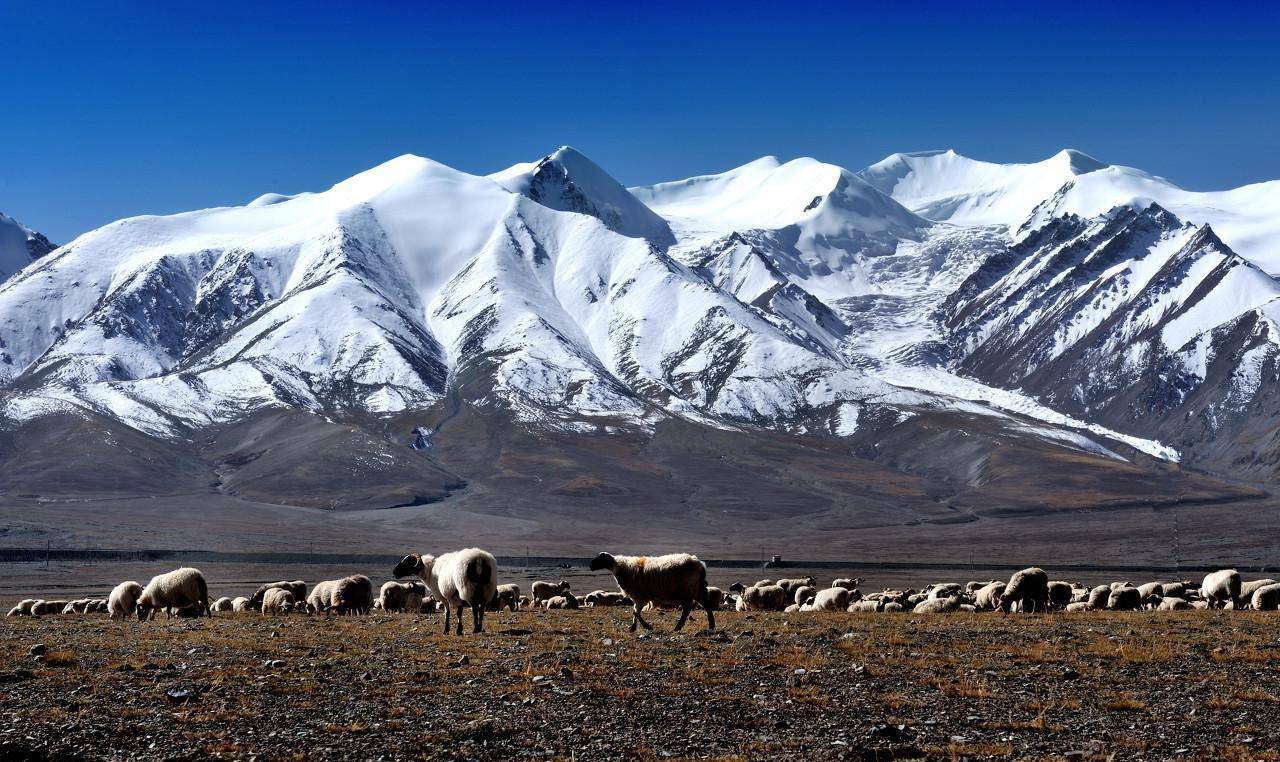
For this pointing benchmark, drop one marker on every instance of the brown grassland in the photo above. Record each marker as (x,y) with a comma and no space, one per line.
(577,684)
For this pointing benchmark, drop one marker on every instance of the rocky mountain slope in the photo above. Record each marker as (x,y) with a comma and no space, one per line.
(19,246)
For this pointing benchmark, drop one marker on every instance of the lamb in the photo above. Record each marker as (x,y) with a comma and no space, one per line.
(1221,587)
(459,579)
(178,589)
(223,604)
(123,601)
(1265,598)
(678,579)
(507,596)
(277,600)
(297,588)
(240,604)
(831,599)
(541,591)
(767,598)
(848,583)
(1026,586)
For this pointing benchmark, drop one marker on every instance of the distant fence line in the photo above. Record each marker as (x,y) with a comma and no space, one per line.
(89,555)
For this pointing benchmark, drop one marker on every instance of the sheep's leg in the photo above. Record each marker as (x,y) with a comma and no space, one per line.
(446,618)
(639,619)
(685,608)
(704,598)
(461,606)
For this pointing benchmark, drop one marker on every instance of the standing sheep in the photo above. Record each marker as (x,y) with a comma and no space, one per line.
(240,604)
(987,598)
(459,579)
(277,600)
(178,589)
(542,591)
(678,579)
(1125,599)
(766,598)
(297,588)
(506,597)
(123,601)
(848,583)
(1026,586)
(1099,597)
(831,599)
(1221,587)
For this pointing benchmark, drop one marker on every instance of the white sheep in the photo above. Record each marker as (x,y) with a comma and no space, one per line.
(1247,589)
(988,597)
(296,588)
(277,600)
(848,583)
(1099,596)
(1149,589)
(831,599)
(506,597)
(178,589)
(240,604)
(541,591)
(23,608)
(766,598)
(1125,599)
(1169,603)
(1265,598)
(223,604)
(938,605)
(1221,587)
(123,601)
(401,596)
(1075,606)
(1027,586)
(870,606)
(566,601)
(678,579)
(459,579)
(803,594)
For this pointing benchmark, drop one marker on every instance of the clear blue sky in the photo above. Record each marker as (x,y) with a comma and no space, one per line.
(117,109)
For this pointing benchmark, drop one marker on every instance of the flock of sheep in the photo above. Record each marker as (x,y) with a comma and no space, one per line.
(468,579)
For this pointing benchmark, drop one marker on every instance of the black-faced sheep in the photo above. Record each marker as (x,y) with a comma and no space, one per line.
(678,579)
(1221,587)
(173,591)
(1029,587)
(459,579)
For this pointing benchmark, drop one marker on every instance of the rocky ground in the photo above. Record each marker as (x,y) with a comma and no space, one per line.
(579,685)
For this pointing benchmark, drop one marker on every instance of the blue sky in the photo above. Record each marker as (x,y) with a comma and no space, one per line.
(116,109)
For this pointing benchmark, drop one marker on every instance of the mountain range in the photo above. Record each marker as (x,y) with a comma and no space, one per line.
(934,333)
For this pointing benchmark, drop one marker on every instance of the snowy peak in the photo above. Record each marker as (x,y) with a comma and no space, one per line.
(568,181)
(19,246)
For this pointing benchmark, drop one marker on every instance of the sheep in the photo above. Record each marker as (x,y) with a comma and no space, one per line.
(400,596)
(297,588)
(848,583)
(867,606)
(45,608)
(321,595)
(1265,598)
(1221,587)
(1029,585)
(459,579)
(277,600)
(988,597)
(566,601)
(1149,589)
(98,606)
(791,585)
(606,598)
(763,583)
(223,604)
(1060,594)
(1247,589)
(737,587)
(791,609)
(1169,603)
(240,604)
(507,596)
(541,591)
(937,605)
(1125,599)
(352,595)
(23,608)
(1099,596)
(715,596)
(678,579)
(831,599)
(767,598)
(944,590)
(176,590)
(893,607)
(123,600)
(1177,589)
(1075,606)
(803,594)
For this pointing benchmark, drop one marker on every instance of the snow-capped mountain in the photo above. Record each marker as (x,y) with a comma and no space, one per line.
(945,186)
(798,297)
(19,246)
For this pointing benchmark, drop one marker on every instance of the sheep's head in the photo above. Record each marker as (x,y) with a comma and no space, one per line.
(737,587)
(564,585)
(409,566)
(602,561)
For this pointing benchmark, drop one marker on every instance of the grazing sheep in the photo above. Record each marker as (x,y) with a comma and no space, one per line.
(223,604)
(1026,586)
(1265,598)
(1099,596)
(715,597)
(1247,589)
(1060,594)
(848,583)
(767,598)
(678,579)
(803,594)
(831,599)
(297,588)
(240,604)
(400,596)
(321,595)
(541,591)
(791,585)
(1125,599)
(566,601)
(123,601)
(937,605)
(1169,603)
(277,600)
(506,597)
(175,590)
(1151,588)
(987,598)
(352,595)
(459,579)
(1221,587)
(1178,589)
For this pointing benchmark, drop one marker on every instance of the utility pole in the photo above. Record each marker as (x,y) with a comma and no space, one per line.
(48,545)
